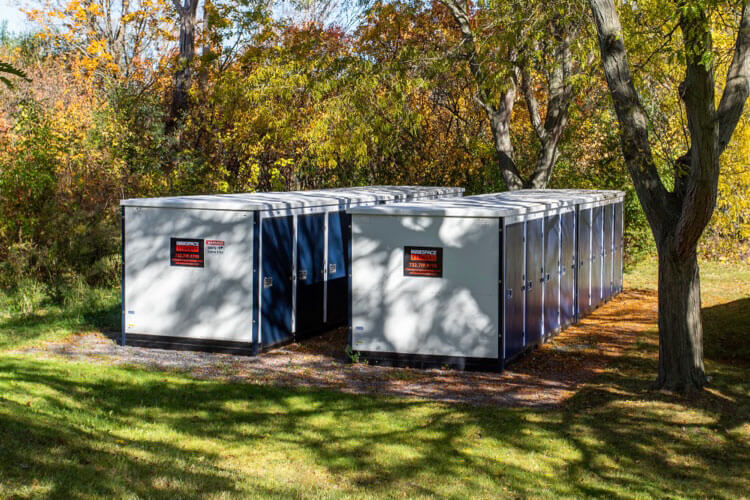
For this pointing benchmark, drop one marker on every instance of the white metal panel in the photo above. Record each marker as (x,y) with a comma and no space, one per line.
(515,206)
(456,315)
(213,302)
(284,203)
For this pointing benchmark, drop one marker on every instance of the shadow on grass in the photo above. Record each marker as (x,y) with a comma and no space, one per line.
(727,332)
(109,432)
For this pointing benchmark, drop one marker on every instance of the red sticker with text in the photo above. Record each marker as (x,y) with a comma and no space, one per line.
(186,252)
(423,261)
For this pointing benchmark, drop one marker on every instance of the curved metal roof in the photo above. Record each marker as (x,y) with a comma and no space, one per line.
(505,204)
(341,197)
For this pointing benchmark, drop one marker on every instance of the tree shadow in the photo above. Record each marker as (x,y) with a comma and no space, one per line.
(131,431)
(726,331)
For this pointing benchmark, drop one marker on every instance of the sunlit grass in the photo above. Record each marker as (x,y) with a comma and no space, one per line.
(79,430)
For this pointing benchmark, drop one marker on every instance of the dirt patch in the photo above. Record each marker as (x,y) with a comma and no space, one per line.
(546,377)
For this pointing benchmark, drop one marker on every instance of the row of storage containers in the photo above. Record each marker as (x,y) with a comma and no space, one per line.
(242,272)
(476,281)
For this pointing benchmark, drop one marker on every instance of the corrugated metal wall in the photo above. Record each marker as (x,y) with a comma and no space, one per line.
(515,289)
(551,274)
(583,295)
(568,268)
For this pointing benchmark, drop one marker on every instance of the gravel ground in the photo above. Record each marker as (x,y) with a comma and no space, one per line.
(546,377)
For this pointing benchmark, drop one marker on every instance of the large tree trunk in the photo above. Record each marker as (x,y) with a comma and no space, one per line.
(680,325)
(678,218)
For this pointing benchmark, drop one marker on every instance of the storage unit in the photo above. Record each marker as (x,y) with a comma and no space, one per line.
(600,250)
(241,272)
(470,282)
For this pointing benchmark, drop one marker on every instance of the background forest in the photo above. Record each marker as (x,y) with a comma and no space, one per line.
(137,98)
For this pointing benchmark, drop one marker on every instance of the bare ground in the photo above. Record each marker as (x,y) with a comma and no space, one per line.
(546,377)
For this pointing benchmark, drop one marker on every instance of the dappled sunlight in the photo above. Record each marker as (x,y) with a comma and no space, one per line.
(620,330)
(107,431)
(574,418)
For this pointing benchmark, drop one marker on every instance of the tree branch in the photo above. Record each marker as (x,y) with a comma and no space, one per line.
(696,189)
(531,103)
(737,86)
(631,115)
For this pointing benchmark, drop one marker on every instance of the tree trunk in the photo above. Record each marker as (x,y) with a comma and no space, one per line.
(678,218)
(680,325)
(499,117)
(183,74)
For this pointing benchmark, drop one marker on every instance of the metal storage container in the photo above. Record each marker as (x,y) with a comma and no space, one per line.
(241,272)
(600,247)
(470,282)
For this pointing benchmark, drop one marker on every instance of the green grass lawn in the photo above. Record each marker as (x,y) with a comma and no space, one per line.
(78,430)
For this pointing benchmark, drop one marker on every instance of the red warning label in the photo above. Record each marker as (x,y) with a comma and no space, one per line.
(186,252)
(426,262)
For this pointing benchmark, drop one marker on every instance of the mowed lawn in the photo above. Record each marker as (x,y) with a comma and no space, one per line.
(79,430)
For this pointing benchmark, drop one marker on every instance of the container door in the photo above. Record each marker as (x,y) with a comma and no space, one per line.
(338,268)
(551,274)
(277,268)
(515,285)
(584,263)
(619,245)
(608,253)
(597,246)
(310,262)
(567,268)
(534,280)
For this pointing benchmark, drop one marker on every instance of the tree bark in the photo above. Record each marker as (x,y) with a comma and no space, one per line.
(559,95)
(499,115)
(183,74)
(677,218)
(680,327)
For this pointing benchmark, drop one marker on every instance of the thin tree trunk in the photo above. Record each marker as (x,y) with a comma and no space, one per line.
(183,74)
(680,327)
(499,117)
